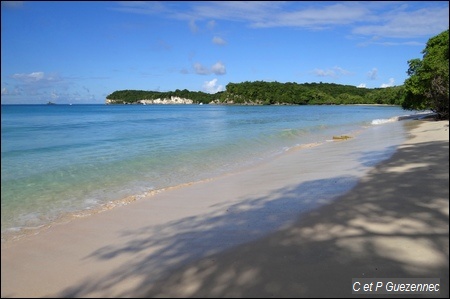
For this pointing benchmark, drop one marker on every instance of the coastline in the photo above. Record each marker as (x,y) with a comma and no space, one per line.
(393,224)
(82,178)
(138,249)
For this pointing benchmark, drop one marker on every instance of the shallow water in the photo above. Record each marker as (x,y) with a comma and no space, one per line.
(61,160)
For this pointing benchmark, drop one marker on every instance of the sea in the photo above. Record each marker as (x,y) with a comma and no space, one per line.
(63,161)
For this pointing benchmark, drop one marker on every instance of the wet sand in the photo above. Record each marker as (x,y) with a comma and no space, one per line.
(301,225)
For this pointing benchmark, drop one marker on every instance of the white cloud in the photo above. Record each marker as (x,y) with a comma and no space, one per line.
(391,83)
(341,71)
(33,83)
(324,73)
(142,7)
(200,69)
(212,87)
(54,95)
(218,69)
(32,77)
(391,19)
(14,92)
(362,85)
(218,41)
(192,26)
(38,86)
(391,44)
(372,75)
(37,78)
(407,24)
(335,72)
(318,17)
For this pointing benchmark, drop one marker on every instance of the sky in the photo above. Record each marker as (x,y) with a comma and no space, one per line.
(79,52)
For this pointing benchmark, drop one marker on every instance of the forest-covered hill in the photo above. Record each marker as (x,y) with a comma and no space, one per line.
(272,93)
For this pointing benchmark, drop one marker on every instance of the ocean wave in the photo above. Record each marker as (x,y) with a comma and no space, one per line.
(381,121)
(417,115)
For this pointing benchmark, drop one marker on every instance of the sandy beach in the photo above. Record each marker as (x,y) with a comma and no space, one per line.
(276,230)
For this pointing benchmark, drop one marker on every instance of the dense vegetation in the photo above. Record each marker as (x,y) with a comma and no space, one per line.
(275,93)
(426,88)
(133,96)
(428,84)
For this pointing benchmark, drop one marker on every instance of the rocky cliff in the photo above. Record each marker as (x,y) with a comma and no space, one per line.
(166,101)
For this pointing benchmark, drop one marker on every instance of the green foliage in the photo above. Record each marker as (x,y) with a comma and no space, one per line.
(275,93)
(133,96)
(428,84)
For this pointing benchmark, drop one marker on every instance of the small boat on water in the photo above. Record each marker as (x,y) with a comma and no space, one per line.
(51,103)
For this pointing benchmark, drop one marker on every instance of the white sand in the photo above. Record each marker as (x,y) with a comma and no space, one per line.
(257,232)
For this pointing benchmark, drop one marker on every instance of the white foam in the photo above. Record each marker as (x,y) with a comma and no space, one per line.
(381,121)
(417,115)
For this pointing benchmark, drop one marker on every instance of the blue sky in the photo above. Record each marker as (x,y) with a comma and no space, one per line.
(79,52)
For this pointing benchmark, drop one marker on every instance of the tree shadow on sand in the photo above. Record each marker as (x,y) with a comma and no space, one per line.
(394,223)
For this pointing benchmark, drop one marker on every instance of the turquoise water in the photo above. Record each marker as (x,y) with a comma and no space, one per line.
(63,159)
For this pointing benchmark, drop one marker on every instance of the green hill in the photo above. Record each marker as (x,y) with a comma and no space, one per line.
(272,93)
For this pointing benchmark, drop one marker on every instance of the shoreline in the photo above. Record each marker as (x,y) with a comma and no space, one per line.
(393,224)
(116,253)
(29,218)
(15,234)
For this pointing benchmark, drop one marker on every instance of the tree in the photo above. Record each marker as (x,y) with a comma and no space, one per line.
(428,84)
